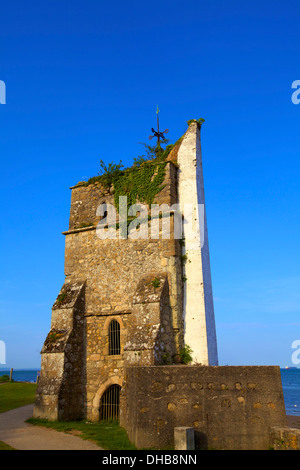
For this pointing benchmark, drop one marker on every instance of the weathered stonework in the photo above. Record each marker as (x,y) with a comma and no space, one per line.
(151,338)
(60,392)
(158,292)
(102,370)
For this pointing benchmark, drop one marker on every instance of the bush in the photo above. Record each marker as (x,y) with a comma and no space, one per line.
(185,355)
(4,378)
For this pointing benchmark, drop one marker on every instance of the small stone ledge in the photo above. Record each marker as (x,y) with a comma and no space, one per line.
(56,341)
(107,313)
(78,230)
(68,295)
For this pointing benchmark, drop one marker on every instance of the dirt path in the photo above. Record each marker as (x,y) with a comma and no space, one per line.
(23,436)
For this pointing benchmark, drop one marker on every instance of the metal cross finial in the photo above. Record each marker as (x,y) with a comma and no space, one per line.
(159,135)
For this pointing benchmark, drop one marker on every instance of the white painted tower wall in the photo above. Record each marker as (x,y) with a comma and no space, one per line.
(198,308)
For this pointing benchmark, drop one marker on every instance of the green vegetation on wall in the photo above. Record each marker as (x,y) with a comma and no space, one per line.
(185,354)
(199,121)
(141,182)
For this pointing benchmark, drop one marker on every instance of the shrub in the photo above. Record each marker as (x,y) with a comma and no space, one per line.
(185,355)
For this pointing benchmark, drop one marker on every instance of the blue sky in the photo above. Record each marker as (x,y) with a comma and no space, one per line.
(83,80)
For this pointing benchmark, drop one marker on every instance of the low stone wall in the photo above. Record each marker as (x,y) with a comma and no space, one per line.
(229,407)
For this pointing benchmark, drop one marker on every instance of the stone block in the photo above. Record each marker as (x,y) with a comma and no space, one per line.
(184,438)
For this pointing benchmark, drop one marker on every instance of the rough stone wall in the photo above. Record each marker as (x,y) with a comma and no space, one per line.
(111,271)
(229,407)
(143,341)
(86,199)
(151,339)
(113,268)
(102,369)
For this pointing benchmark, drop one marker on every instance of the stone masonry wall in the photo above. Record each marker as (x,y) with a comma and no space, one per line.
(112,271)
(61,389)
(102,370)
(150,335)
(76,365)
(86,198)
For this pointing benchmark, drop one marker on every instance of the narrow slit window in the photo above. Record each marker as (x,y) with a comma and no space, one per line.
(114,338)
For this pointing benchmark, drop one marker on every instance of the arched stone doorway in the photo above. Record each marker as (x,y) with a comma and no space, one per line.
(100,395)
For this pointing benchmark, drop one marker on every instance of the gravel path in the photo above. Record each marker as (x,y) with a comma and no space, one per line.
(23,436)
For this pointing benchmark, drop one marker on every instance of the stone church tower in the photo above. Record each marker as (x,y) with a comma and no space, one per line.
(129,301)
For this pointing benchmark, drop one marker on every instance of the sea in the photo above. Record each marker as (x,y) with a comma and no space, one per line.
(290,379)
(290,383)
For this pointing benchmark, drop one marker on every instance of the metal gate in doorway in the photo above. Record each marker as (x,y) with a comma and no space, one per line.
(110,403)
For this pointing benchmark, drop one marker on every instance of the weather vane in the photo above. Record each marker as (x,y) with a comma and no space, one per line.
(159,135)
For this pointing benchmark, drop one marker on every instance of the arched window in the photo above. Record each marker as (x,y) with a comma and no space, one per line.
(114,347)
(110,403)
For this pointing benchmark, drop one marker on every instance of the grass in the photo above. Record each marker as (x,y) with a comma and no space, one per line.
(4,446)
(4,378)
(108,435)
(16,394)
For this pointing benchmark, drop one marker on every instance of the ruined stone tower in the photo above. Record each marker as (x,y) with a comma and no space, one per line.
(153,294)
(137,292)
